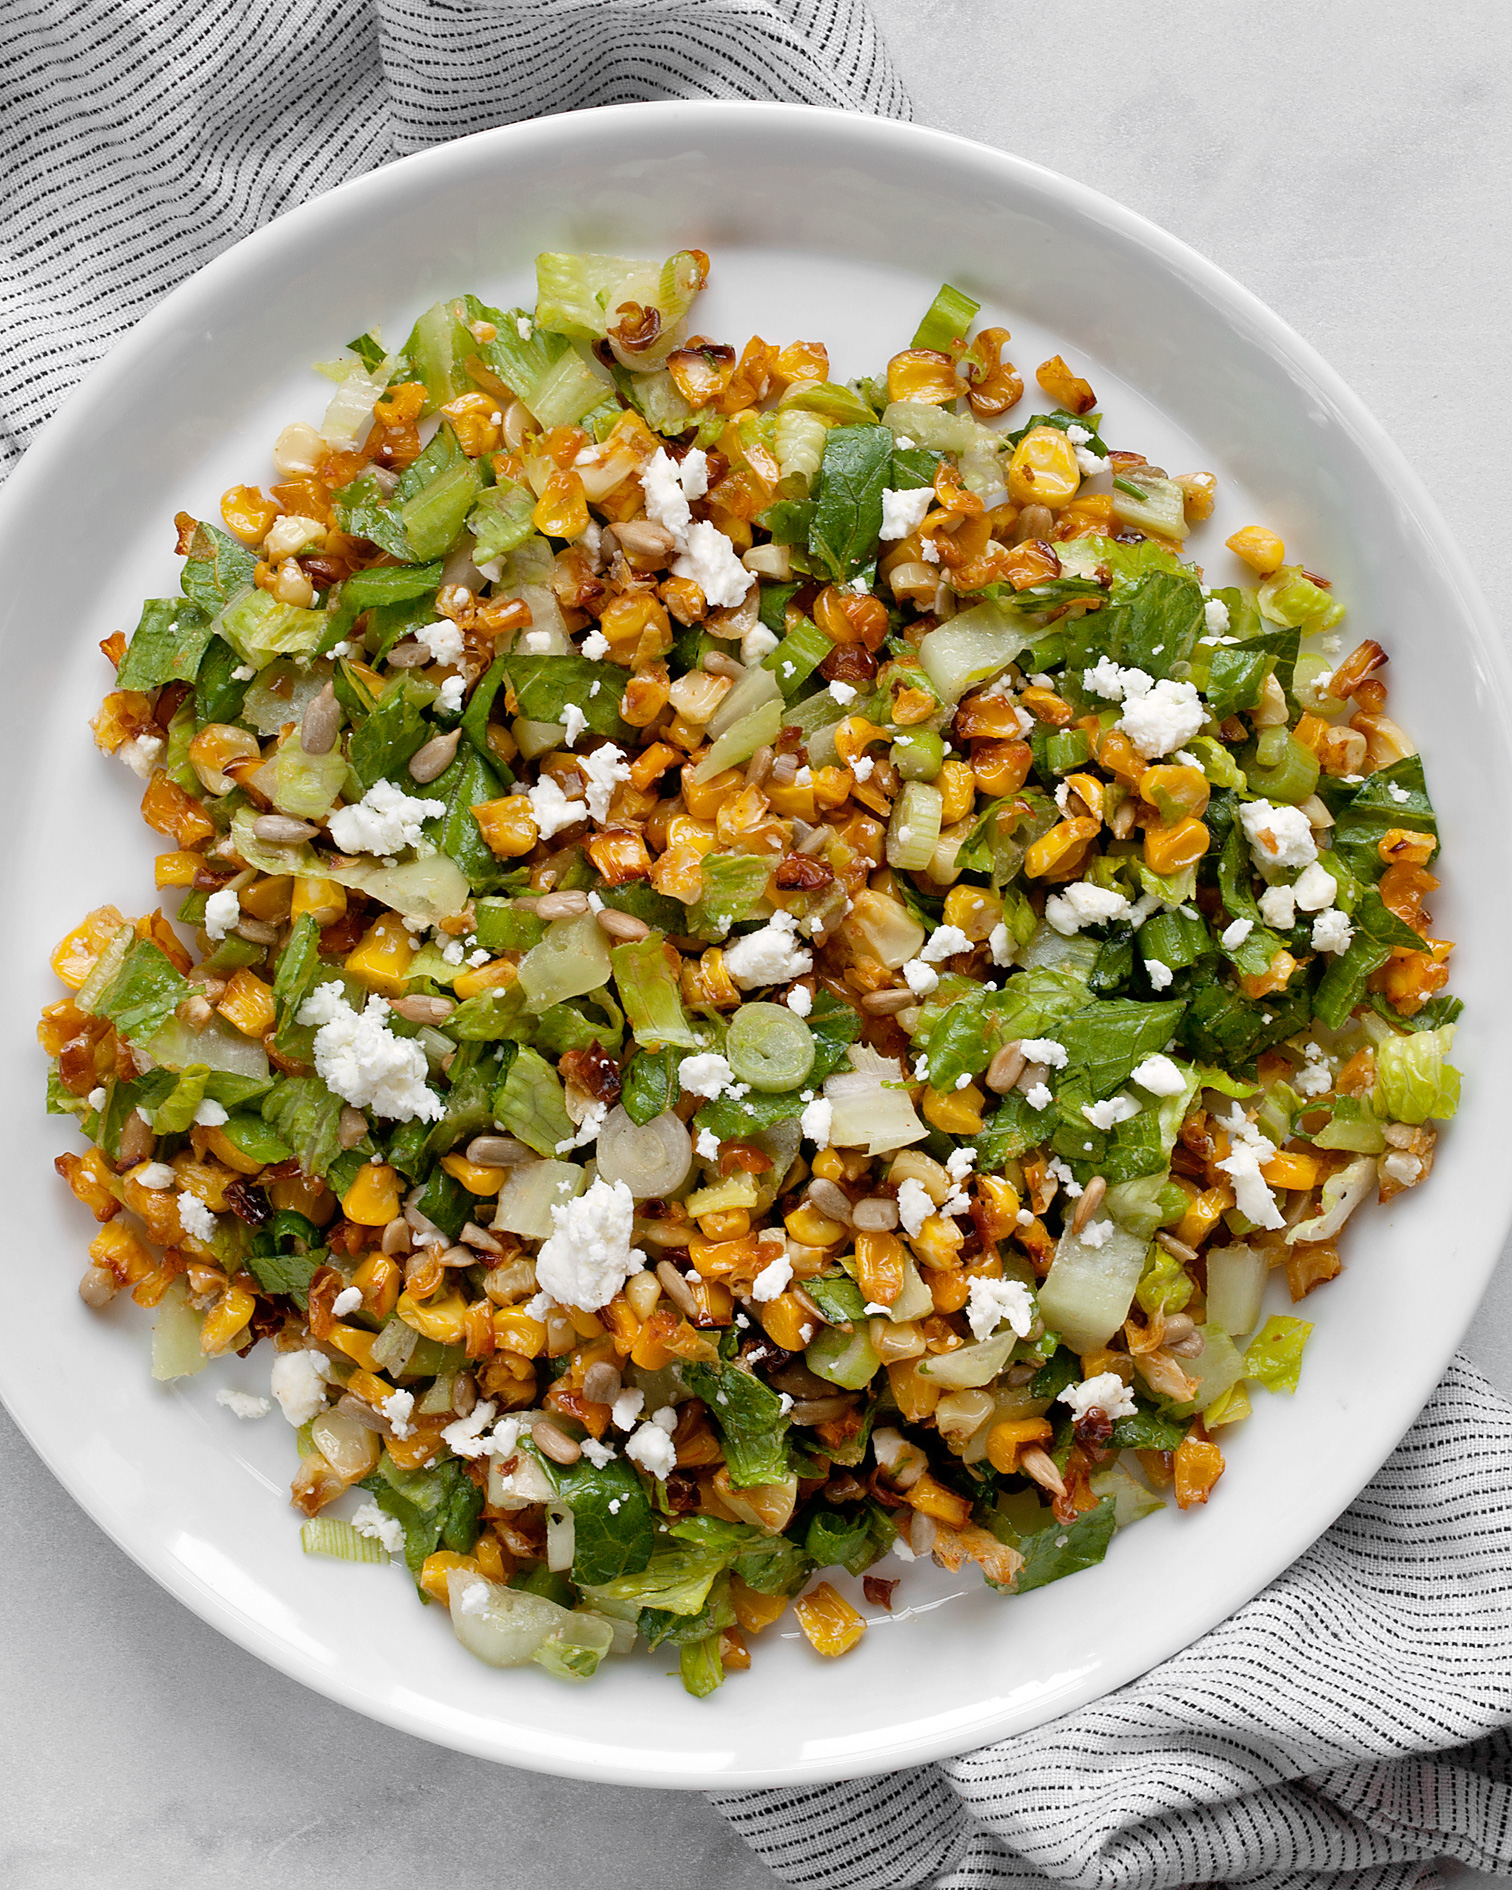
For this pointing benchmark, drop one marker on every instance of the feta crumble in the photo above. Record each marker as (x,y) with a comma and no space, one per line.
(1109,1113)
(653,1450)
(1107,1393)
(990,1302)
(769,956)
(817,1121)
(1278,907)
(915,1205)
(707,1074)
(1316,888)
(369,1520)
(1038,1097)
(348,1300)
(920,978)
(772,1279)
(222,911)
(1159,975)
(1249,1152)
(1161,718)
(443,639)
(358,1056)
(208,1113)
(1084,904)
(298,1383)
(1160,1076)
(1279,837)
(194,1217)
(904,510)
(946,941)
(243,1404)
(596,645)
(384,821)
(710,563)
(800,1000)
(1233,936)
(552,808)
(1045,1050)
(1332,931)
(605,768)
(586,1260)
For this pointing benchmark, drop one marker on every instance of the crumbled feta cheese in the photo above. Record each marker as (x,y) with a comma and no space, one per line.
(1160,1076)
(1090,463)
(817,1121)
(98,1097)
(443,639)
(1278,907)
(1233,936)
(707,1074)
(1332,931)
(666,502)
(399,1407)
(369,1520)
(1095,1233)
(1108,1114)
(1162,718)
(384,821)
(348,1300)
(1398,794)
(587,1130)
(772,1278)
(298,1383)
(770,956)
(1045,1050)
(524,327)
(800,1000)
(903,510)
(990,1302)
(465,1438)
(243,672)
(946,941)
(1107,1393)
(552,808)
(605,768)
(1159,975)
(1215,616)
(710,562)
(574,722)
(1084,904)
(1316,888)
(919,978)
(653,1450)
(693,473)
(588,1257)
(208,1113)
(222,911)
(626,1408)
(1279,837)
(359,1057)
(243,1404)
(1038,1097)
(154,1175)
(536,643)
(915,1205)
(453,951)
(1315,1078)
(842,692)
(596,645)
(598,1455)
(140,754)
(1249,1152)
(929,551)
(707,1145)
(1401,1167)
(194,1217)
(756,645)
(862,767)
(1107,679)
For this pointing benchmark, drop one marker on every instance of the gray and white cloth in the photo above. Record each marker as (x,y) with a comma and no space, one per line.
(1347,1727)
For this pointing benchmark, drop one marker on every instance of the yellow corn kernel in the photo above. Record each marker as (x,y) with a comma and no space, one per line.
(914,1396)
(382,956)
(1292,1168)
(939,1241)
(248,1004)
(1198,1466)
(949,1291)
(508,825)
(515,1331)
(854,736)
(956,1111)
(1202,1215)
(562,510)
(440,1318)
(627,619)
(832,787)
(1170,850)
(378,1279)
(755,1611)
(1005,1440)
(974,910)
(175,869)
(435,1569)
(226,1320)
(475,1178)
(373,1198)
(247,513)
(493,976)
(1198,491)
(268,898)
(323,899)
(814,1229)
(304,1195)
(1260,549)
(718,986)
(703,800)
(830,1624)
(1063,843)
(1001,1200)
(1043,470)
(922,374)
(932,1498)
(1066,389)
(957,785)
(829,1164)
(356,1344)
(1186,789)
(785,1320)
(726,1224)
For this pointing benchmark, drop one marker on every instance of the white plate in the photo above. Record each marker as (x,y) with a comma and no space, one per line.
(820,226)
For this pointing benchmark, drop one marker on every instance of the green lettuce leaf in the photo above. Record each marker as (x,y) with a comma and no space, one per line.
(1065,1549)
(847,515)
(216,568)
(167,645)
(1414,1079)
(143,994)
(1274,1355)
(749,1417)
(302,1112)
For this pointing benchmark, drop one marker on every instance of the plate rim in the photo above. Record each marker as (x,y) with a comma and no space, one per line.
(1238,306)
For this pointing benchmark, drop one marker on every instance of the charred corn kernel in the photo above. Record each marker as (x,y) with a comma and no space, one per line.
(1043,470)
(932,1498)
(846,616)
(728,1224)
(435,1569)
(651,764)
(974,910)
(785,1320)
(811,1227)
(476,1179)
(562,510)
(703,800)
(957,785)
(881,1266)
(830,1624)
(489,1554)
(175,869)
(247,513)
(226,1320)
(718,1258)
(1089,793)
(268,898)
(168,809)
(922,374)
(1047,707)
(123,714)
(515,1331)
(949,1291)
(1199,1464)
(1005,1440)
(1276,976)
(1063,842)
(304,1195)
(356,1344)
(626,619)
(1178,792)
(1173,849)
(507,825)
(89,1176)
(220,1145)
(323,899)
(915,1397)
(472,418)
(1260,549)
(913,705)
(828,1165)
(153,927)
(1311,732)
(831,786)
(1291,1168)
(494,976)
(119,1249)
(1001,1200)
(478,1339)
(382,956)
(76,953)
(373,1198)
(956,1111)
(1399,846)
(1198,491)
(378,1279)
(248,1004)
(1066,389)
(620,856)
(1202,1215)
(939,1241)
(755,1611)
(439,1318)
(1000,768)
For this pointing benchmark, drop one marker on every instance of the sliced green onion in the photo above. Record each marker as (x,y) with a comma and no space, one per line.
(1068,748)
(740,742)
(768,1047)
(946,321)
(919,754)
(1124,485)
(327,1536)
(1291,777)
(915,827)
(798,655)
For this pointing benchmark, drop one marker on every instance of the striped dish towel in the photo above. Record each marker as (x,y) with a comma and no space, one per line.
(142,137)
(1343,1731)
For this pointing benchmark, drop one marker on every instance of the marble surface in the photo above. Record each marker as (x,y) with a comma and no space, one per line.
(1350,164)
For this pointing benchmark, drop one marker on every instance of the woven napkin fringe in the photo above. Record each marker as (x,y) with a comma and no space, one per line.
(142,137)
(1346,1727)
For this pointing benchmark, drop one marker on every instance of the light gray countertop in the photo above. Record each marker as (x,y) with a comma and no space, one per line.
(1350,164)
